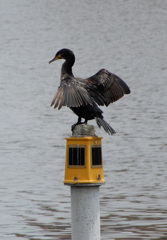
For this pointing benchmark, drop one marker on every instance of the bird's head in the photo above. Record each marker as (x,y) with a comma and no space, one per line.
(63,54)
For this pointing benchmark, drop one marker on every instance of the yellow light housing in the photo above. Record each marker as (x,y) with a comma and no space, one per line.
(84,163)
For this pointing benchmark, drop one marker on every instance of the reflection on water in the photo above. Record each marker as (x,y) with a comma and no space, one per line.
(129,39)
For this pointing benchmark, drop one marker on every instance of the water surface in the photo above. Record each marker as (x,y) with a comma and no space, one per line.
(126,37)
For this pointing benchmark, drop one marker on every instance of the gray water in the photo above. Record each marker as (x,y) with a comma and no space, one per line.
(127,37)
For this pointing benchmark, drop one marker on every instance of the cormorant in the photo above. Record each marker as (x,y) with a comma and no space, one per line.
(83,96)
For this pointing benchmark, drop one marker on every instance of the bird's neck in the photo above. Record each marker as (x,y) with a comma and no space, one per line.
(66,69)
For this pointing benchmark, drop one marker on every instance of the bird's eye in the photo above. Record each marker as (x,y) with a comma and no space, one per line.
(59,56)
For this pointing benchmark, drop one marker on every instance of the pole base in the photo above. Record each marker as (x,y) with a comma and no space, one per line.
(83,130)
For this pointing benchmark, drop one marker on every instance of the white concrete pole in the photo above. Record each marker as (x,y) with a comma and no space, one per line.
(85,212)
(84,175)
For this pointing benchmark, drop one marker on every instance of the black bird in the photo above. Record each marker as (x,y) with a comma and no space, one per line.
(83,95)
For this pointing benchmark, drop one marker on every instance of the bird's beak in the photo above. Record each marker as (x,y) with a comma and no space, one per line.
(55,58)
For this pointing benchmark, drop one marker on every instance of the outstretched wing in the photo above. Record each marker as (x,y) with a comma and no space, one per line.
(105,87)
(71,94)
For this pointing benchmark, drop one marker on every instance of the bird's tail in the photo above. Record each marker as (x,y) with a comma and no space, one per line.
(102,123)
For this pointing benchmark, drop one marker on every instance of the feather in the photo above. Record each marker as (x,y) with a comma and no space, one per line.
(105,87)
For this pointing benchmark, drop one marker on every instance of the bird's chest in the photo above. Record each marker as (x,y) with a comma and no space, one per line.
(85,112)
